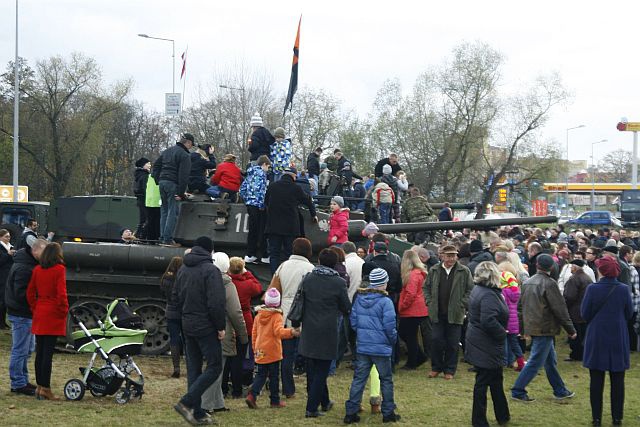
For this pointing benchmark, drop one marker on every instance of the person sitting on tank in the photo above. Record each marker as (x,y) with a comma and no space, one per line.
(202,162)
(126,236)
(227,179)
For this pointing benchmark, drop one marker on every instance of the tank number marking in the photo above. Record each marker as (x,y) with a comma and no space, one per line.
(239,222)
(94,254)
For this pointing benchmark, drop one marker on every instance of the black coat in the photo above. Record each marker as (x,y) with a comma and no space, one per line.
(388,264)
(15,292)
(313,164)
(199,167)
(174,165)
(394,168)
(140,177)
(282,200)
(167,283)
(261,141)
(6,261)
(486,332)
(325,298)
(477,258)
(199,292)
(574,290)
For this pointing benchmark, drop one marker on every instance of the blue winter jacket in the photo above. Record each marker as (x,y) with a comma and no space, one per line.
(254,187)
(373,318)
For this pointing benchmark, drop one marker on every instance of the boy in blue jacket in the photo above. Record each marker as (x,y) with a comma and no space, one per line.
(373,318)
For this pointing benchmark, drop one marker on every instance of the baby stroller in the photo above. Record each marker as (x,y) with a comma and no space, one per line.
(115,341)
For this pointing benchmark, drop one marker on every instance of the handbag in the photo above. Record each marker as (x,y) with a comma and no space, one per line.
(297,306)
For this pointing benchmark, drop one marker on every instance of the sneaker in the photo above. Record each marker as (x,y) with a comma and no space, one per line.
(391,418)
(251,401)
(328,407)
(279,405)
(206,420)
(524,399)
(316,414)
(351,419)
(187,413)
(265,260)
(250,259)
(26,390)
(567,395)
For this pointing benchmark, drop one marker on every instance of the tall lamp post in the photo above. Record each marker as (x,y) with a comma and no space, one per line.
(244,122)
(16,115)
(566,188)
(173,55)
(593,175)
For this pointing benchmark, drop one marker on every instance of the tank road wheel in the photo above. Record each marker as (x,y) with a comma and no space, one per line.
(157,340)
(85,312)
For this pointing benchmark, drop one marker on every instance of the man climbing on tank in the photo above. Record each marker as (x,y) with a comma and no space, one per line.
(261,139)
(171,172)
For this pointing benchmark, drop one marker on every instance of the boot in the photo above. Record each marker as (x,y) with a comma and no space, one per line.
(375,405)
(520,361)
(47,394)
(175,357)
(38,390)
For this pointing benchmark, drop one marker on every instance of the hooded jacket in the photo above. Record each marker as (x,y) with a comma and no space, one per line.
(267,336)
(511,294)
(339,226)
(261,141)
(140,176)
(15,293)
(477,258)
(313,164)
(373,318)
(200,294)
(173,165)
(254,187)
(291,272)
(235,326)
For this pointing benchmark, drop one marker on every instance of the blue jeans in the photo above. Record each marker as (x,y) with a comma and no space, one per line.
(22,345)
(206,348)
(168,210)
(384,210)
(360,377)
(279,247)
(543,353)
(271,370)
(175,332)
(289,350)
(512,349)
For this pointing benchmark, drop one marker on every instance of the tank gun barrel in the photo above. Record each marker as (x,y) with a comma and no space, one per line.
(476,224)
(436,205)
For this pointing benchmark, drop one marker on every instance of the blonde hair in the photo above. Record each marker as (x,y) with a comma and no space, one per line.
(488,274)
(514,259)
(507,266)
(636,258)
(410,262)
(236,265)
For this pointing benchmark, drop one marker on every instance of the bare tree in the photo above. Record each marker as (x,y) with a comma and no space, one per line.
(616,166)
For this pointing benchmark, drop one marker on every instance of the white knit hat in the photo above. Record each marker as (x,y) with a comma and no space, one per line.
(221,260)
(256,120)
(386,169)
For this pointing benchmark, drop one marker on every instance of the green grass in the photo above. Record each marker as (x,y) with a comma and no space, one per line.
(421,401)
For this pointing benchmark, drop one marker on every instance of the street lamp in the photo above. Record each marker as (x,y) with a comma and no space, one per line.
(593,176)
(566,188)
(173,55)
(244,122)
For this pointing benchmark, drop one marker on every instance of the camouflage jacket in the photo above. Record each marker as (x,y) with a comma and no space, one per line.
(416,209)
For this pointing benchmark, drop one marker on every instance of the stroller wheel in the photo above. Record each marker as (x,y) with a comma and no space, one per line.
(74,389)
(123,396)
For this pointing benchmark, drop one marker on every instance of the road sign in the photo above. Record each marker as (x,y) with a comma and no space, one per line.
(172,104)
(629,126)
(6,193)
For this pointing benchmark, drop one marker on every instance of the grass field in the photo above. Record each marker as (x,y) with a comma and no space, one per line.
(421,401)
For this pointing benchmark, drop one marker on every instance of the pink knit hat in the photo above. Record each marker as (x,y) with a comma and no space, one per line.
(272,298)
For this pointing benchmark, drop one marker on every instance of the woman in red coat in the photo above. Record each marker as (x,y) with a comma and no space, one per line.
(412,308)
(47,297)
(227,179)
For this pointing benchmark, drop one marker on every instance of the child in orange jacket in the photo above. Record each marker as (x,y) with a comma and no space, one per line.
(267,336)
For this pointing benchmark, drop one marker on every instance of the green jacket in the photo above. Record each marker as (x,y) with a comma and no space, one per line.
(152,199)
(460,290)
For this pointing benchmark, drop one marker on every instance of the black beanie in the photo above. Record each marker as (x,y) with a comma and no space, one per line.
(141,162)
(475,246)
(205,243)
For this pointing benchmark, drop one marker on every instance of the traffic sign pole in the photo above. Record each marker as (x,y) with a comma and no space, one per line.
(634,163)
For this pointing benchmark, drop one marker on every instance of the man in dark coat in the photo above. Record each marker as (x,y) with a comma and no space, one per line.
(140,176)
(542,312)
(200,296)
(392,161)
(313,164)
(283,223)
(381,259)
(171,172)
(15,298)
(202,160)
(478,255)
(533,251)
(574,290)
(261,139)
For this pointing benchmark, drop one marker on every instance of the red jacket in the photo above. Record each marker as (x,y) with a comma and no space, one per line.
(47,297)
(248,287)
(412,302)
(227,176)
(339,226)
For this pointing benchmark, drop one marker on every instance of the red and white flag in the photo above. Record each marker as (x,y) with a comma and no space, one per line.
(184,64)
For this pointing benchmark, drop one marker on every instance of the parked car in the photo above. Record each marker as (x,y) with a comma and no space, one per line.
(594,218)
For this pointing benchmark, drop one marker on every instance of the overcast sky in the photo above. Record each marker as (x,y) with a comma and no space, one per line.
(350,47)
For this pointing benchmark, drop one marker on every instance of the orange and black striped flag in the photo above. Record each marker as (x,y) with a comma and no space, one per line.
(293,82)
